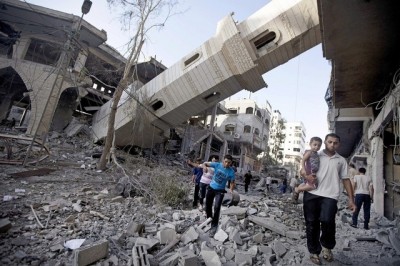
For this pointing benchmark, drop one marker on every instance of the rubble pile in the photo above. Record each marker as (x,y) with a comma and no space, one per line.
(75,215)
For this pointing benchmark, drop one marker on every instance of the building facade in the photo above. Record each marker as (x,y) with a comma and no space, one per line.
(294,145)
(246,129)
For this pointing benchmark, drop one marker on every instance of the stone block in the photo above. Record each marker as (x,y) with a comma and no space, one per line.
(5,225)
(189,236)
(295,234)
(140,256)
(210,258)
(243,257)
(134,227)
(92,253)
(279,248)
(148,242)
(166,236)
(188,258)
(170,261)
(270,224)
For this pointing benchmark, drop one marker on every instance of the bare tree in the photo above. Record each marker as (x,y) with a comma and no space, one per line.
(139,17)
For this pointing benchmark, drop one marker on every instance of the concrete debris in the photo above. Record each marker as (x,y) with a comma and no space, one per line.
(124,228)
(92,253)
(5,225)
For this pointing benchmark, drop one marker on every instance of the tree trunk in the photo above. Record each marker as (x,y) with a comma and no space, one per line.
(111,121)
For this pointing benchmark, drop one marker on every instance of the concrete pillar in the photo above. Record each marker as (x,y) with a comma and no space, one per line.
(223,150)
(67,104)
(377,174)
(80,61)
(210,137)
(20,47)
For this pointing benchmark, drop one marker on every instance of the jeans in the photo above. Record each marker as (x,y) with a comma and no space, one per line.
(246,186)
(203,190)
(365,201)
(219,196)
(319,214)
(196,194)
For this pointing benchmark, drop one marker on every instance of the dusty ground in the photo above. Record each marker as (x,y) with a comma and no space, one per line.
(77,202)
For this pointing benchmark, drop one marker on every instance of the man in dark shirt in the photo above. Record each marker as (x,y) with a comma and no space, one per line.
(247,178)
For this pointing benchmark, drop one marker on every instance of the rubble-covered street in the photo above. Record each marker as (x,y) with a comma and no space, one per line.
(79,215)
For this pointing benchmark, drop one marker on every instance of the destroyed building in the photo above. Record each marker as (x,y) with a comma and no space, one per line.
(60,71)
(362,95)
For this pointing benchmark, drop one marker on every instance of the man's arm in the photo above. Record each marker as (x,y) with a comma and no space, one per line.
(232,187)
(350,194)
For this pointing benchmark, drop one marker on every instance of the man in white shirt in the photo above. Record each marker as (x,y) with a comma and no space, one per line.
(320,204)
(268,183)
(362,186)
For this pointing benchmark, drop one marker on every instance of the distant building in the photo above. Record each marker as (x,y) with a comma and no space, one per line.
(294,144)
(246,129)
(275,144)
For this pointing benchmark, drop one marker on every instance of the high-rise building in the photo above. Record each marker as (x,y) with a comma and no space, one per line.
(294,144)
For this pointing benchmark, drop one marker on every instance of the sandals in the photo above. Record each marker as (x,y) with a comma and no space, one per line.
(327,254)
(315,259)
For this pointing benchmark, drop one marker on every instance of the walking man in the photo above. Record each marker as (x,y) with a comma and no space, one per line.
(269,178)
(362,186)
(320,204)
(247,178)
(197,173)
(216,190)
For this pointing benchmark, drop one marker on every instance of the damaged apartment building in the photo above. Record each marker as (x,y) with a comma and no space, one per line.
(56,65)
(236,127)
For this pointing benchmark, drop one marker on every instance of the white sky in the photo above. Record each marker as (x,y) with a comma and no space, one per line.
(296,89)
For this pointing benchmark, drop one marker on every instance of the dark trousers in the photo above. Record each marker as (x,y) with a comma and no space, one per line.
(365,201)
(319,214)
(196,194)
(203,190)
(246,186)
(218,195)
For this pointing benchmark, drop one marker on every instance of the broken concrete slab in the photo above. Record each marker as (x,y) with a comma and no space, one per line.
(190,235)
(5,225)
(166,236)
(89,254)
(148,242)
(270,224)
(210,258)
(235,210)
(188,258)
(134,228)
(221,236)
(243,258)
(278,248)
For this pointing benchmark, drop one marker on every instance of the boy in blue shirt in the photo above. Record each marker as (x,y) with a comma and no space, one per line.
(222,173)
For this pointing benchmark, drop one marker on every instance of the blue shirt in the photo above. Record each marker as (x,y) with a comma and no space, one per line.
(221,176)
(198,172)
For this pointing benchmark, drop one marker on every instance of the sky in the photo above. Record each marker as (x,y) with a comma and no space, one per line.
(296,88)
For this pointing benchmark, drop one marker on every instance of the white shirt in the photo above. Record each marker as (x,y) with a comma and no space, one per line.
(363,182)
(293,182)
(269,180)
(207,175)
(332,170)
